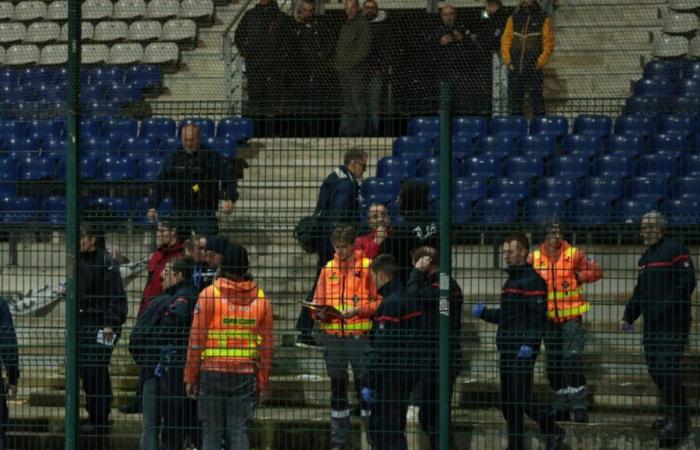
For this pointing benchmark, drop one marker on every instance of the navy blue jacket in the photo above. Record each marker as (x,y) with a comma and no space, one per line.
(101,296)
(522,317)
(338,202)
(8,344)
(195,181)
(665,284)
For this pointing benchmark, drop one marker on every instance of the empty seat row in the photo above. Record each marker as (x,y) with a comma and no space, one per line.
(164,53)
(176,30)
(99,169)
(32,11)
(672,46)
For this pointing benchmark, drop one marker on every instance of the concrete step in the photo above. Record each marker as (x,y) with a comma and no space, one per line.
(632,39)
(576,14)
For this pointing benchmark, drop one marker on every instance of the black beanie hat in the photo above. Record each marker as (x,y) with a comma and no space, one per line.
(235,260)
(217,244)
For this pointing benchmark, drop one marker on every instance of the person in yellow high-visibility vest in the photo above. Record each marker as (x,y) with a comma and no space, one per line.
(566,269)
(345,284)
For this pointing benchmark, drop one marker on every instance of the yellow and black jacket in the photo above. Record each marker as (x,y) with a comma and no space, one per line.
(528,40)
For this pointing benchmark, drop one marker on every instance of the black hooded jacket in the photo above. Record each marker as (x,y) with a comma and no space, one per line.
(261,37)
(101,296)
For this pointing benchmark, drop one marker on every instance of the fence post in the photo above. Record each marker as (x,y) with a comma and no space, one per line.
(72,225)
(445,263)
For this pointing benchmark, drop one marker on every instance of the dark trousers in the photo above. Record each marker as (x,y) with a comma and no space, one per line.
(354,87)
(529,80)
(264,92)
(174,407)
(565,343)
(93,369)
(517,399)
(428,399)
(387,424)
(4,416)
(663,359)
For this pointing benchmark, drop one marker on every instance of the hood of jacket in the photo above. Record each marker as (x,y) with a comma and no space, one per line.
(544,249)
(414,201)
(240,292)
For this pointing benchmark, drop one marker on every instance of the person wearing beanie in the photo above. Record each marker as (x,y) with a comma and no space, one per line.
(565,268)
(215,248)
(229,355)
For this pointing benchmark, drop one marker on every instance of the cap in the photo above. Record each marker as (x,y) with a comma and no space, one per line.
(217,244)
(235,260)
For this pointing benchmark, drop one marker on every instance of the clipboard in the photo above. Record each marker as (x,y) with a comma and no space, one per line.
(330,310)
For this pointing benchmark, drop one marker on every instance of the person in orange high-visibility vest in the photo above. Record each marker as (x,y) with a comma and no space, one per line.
(230,352)
(566,269)
(346,284)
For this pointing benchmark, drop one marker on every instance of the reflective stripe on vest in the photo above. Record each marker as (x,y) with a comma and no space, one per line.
(569,312)
(562,304)
(364,325)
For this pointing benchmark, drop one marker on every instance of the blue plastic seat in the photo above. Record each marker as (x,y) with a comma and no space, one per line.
(146,76)
(123,93)
(207,127)
(542,145)
(239,128)
(660,87)
(662,164)
(88,167)
(537,210)
(101,108)
(646,104)
(225,146)
(149,168)
(632,210)
(682,211)
(107,75)
(470,188)
(415,147)
(8,175)
(116,169)
(636,124)
(503,210)
(117,207)
(685,105)
(614,165)
(90,128)
(379,190)
(678,124)
(120,128)
(463,146)
(471,126)
(502,144)
(481,167)
(690,165)
(598,125)
(523,166)
(24,145)
(101,145)
(568,166)
(461,210)
(45,130)
(9,76)
(18,210)
(514,187)
(91,94)
(169,145)
(682,187)
(35,168)
(630,144)
(590,143)
(675,143)
(136,145)
(158,127)
(660,69)
(424,125)
(653,187)
(53,210)
(590,211)
(689,87)
(691,69)
(510,125)
(428,167)
(558,126)
(396,168)
(557,187)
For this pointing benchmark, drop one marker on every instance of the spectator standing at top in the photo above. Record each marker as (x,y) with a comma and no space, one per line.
(665,284)
(338,202)
(452,49)
(379,228)
(196,179)
(381,52)
(351,62)
(526,46)
(522,321)
(566,269)
(261,38)
(488,43)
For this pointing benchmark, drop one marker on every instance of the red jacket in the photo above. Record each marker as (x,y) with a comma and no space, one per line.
(156,263)
(368,245)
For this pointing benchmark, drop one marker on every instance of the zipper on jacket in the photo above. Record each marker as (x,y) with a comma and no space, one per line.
(522,42)
(554,289)
(342,301)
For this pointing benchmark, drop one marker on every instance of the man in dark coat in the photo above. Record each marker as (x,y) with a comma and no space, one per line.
(9,358)
(260,37)
(102,312)
(521,320)
(381,53)
(665,284)
(488,43)
(338,202)
(196,180)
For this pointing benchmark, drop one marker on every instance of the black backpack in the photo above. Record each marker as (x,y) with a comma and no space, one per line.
(144,345)
(311,228)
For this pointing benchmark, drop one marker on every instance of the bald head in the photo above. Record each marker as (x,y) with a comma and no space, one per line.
(653,227)
(190,137)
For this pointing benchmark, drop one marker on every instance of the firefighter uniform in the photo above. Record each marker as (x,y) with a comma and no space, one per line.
(565,272)
(346,341)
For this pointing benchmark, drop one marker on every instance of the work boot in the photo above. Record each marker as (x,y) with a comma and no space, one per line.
(673,433)
(580,416)
(556,441)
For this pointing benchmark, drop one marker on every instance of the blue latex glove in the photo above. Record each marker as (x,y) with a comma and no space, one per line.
(626,327)
(368,396)
(525,352)
(158,371)
(478,310)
